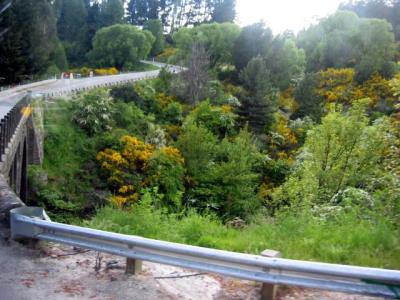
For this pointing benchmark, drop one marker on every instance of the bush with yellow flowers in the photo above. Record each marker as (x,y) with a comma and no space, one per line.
(137,165)
(165,170)
(379,90)
(287,143)
(337,85)
(164,100)
(287,101)
(172,131)
(106,71)
(166,54)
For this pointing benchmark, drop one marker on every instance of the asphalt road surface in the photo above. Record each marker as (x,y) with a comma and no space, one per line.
(10,97)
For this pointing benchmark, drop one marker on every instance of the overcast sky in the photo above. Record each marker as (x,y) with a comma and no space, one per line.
(284,14)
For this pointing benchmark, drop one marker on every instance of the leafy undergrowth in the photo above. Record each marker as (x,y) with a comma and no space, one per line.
(347,239)
(141,67)
(65,183)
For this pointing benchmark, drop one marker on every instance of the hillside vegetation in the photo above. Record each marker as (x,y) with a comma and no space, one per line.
(278,142)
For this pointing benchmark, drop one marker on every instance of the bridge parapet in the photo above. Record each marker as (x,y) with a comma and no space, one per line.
(20,145)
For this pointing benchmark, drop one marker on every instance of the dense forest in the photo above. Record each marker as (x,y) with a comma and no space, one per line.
(40,38)
(288,142)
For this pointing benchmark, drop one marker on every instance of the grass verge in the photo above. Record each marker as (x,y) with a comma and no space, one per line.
(346,240)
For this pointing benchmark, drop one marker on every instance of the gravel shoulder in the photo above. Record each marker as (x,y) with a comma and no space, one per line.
(61,272)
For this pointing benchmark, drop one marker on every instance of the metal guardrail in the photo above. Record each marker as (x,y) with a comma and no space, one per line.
(32,222)
(24,86)
(68,90)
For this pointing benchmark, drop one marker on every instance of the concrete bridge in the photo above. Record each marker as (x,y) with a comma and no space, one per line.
(20,145)
(21,137)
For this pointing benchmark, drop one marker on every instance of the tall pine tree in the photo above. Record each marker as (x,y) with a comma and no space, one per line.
(178,13)
(111,12)
(72,29)
(30,46)
(224,11)
(11,61)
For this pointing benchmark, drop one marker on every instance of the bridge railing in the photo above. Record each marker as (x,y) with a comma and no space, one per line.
(10,122)
(33,223)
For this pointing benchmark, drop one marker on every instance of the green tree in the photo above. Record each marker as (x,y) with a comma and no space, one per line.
(120,46)
(376,43)
(111,12)
(217,120)
(221,176)
(224,11)
(331,42)
(93,22)
(125,93)
(198,146)
(344,40)
(234,177)
(141,11)
(380,9)
(72,29)
(217,39)
(259,102)
(286,63)
(254,40)
(156,28)
(29,41)
(12,62)
(310,102)
(59,57)
(175,14)
(344,151)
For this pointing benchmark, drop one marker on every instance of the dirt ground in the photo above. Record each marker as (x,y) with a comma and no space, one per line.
(63,272)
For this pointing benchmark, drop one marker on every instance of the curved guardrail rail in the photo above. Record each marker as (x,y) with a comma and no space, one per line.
(33,223)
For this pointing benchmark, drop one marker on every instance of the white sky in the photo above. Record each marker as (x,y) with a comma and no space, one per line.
(281,15)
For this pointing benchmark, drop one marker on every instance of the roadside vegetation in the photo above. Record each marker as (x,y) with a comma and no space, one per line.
(278,142)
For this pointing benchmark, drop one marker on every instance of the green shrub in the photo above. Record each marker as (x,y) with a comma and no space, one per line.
(163,82)
(221,176)
(155,136)
(125,93)
(93,111)
(220,120)
(166,172)
(172,114)
(344,151)
(131,118)
(67,184)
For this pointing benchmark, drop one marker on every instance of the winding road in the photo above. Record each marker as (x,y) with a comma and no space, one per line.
(54,87)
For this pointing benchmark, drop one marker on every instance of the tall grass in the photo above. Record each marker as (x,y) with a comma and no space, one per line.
(347,239)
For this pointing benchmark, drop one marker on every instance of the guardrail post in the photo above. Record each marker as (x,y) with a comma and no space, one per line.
(133,266)
(268,290)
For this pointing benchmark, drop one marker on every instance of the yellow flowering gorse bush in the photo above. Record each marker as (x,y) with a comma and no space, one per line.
(127,168)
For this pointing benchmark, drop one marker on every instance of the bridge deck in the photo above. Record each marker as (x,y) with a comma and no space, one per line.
(10,97)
